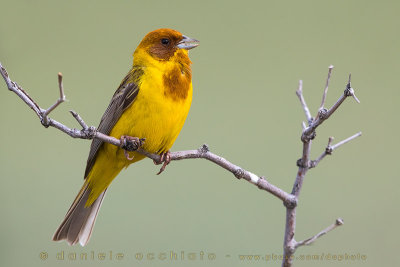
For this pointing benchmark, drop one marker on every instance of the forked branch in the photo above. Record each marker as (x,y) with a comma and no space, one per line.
(326,87)
(58,102)
(304,163)
(329,148)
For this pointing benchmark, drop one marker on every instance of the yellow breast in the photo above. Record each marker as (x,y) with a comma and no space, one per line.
(159,110)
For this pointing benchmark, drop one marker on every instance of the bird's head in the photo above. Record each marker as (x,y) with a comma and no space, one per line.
(165,45)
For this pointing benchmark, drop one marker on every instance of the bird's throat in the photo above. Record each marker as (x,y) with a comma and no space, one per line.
(177,79)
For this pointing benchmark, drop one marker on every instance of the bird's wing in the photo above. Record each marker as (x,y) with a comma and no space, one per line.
(121,100)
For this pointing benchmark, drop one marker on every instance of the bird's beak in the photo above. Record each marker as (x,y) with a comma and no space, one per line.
(187,43)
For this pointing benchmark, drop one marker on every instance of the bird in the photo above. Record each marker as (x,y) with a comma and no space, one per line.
(151,103)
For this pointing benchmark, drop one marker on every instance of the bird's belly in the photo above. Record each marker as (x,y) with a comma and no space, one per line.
(158,124)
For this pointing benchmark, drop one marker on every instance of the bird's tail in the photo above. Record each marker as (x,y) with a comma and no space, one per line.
(78,223)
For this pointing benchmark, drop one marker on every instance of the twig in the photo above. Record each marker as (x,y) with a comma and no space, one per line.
(310,240)
(326,87)
(58,102)
(329,149)
(345,141)
(13,86)
(299,93)
(303,125)
(79,119)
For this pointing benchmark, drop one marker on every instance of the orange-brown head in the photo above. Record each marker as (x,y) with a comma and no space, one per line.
(164,53)
(163,44)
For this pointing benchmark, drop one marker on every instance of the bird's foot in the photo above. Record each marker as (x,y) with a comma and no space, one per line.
(165,158)
(129,143)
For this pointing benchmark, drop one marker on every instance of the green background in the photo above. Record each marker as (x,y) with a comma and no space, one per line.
(245,73)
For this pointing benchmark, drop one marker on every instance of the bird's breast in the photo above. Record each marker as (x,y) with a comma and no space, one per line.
(159,110)
(176,83)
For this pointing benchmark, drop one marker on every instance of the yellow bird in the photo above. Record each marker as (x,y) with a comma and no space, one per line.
(152,102)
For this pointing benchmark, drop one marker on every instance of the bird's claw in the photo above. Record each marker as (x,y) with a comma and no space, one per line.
(129,143)
(165,158)
(127,156)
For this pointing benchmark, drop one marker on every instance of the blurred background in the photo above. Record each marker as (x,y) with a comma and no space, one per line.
(245,73)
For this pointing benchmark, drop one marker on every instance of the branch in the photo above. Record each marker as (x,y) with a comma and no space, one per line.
(299,93)
(326,87)
(324,114)
(13,86)
(58,102)
(204,153)
(304,163)
(311,240)
(79,119)
(329,149)
(91,133)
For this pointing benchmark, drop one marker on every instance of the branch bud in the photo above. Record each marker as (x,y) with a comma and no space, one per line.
(239,173)
(204,148)
(291,202)
(322,113)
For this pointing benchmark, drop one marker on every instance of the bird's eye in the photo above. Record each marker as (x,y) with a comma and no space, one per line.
(165,41)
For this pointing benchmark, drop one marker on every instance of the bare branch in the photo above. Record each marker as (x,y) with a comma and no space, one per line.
(324,114)
(329,149)
(13,86)
(299,93)
(204,153)
(79,119)
(91,133)
(310,240)
(85,133)
(58,102)
(345,141)
(326,87)
(304,163)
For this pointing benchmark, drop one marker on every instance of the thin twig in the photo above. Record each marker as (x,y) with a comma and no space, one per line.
(299,93)
(58,102)
(329,148)
(346,141)
(79,119)
(310,240)
(303,125)
(326,87)
(14,87)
